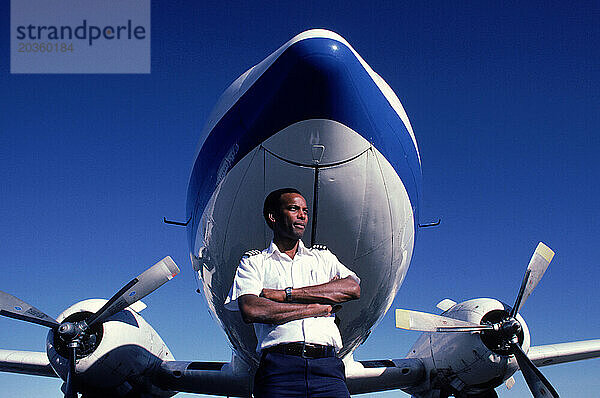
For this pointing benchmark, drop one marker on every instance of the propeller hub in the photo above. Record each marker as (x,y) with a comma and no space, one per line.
(510,327)
(67,330)
(74,332)
(507,330)
(71,330)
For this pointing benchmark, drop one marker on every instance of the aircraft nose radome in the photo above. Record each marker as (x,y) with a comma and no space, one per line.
(317,42)
(319,45)
(320,57)
(314,78)
(317,33)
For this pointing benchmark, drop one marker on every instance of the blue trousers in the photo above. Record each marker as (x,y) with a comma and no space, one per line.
(281,375)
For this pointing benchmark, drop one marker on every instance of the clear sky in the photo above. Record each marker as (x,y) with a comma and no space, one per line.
(504,98)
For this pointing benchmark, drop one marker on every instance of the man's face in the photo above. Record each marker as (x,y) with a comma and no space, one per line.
(292,217)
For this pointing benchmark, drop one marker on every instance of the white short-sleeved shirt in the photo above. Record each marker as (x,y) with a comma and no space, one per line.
(272,269)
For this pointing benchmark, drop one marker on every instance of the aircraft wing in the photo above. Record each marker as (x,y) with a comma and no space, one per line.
(220,378)
(26,362)
(551,354)
(382,375)
(231,379)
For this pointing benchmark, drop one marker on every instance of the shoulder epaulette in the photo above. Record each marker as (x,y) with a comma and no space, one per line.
(252,252)
(319,247)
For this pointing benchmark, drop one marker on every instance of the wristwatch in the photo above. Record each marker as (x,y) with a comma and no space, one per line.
(288,294)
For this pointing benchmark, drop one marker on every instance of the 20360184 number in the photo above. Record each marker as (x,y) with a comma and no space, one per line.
(45,47)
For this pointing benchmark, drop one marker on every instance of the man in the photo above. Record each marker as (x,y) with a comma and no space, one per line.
(291,293)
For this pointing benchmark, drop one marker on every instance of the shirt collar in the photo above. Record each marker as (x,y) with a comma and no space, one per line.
(273,249)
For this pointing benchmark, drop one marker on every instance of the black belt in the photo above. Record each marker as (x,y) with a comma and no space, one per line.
(304,350)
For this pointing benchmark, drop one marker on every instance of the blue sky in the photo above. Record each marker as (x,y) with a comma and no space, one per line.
(504,100)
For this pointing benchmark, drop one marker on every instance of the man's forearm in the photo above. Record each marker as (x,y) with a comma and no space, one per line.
(263,310)
(333,292)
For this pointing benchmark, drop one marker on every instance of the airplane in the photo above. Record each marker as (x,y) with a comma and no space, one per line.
(312,115)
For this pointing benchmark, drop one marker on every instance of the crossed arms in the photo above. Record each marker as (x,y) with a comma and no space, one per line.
(309,301)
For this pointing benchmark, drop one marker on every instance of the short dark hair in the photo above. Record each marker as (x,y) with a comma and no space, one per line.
(272,202)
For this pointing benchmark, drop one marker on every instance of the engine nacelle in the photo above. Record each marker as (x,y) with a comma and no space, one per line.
(469,363)
(117,356)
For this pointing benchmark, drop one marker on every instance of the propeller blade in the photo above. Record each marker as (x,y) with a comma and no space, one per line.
(138,288)
(70,391)
(540,260)
(540,386)
(13,307)
(424,322)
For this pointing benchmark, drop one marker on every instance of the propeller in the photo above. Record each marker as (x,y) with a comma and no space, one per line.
(505,331)
(540,260)
(539,386)
(70,390)
(73,334)
(425,322)
(12,307)
(138,288)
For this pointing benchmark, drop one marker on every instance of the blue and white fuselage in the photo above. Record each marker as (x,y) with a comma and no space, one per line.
(314,116)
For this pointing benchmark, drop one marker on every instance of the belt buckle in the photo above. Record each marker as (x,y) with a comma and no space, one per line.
(303,352)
